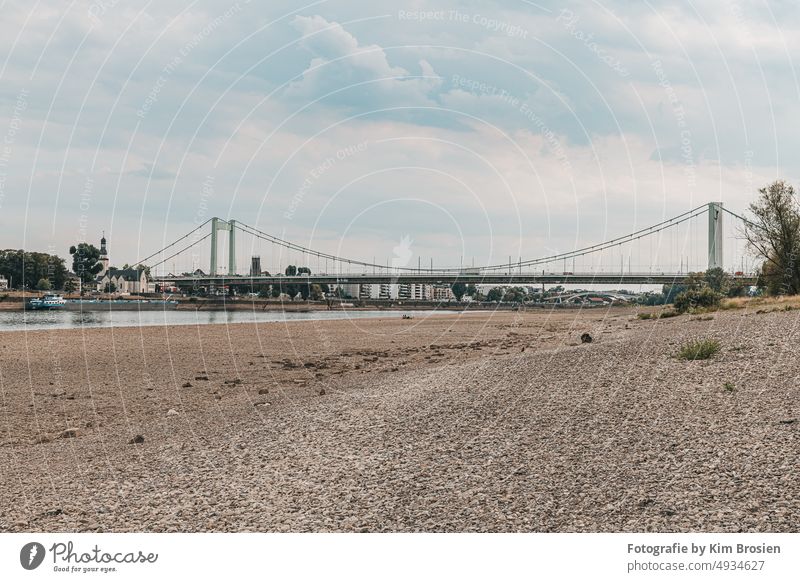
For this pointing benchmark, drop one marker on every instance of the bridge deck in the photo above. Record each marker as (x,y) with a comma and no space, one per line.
(444,278)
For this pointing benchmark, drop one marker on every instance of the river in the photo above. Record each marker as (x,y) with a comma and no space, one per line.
(35,320)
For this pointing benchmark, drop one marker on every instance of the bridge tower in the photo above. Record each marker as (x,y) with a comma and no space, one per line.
(715,248)
(230,226)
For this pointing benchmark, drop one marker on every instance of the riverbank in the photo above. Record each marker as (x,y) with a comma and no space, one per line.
(466,422)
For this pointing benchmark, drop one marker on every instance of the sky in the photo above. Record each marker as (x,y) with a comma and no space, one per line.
(456,130)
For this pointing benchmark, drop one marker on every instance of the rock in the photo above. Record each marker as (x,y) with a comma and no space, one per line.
(586,338)
(172,412)
(257,404)
(201,377)
(70,433)
(186,385)
(263,391)
(137,440)
(322,391)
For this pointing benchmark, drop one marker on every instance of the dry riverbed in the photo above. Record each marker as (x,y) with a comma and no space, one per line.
(476,422)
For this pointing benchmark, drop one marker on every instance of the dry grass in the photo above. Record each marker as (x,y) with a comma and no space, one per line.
(701,349)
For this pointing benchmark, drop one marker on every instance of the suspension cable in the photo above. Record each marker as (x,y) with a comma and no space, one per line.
(180,251)
(172,244)
(674,221)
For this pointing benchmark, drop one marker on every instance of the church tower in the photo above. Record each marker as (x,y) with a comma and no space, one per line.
(103,256)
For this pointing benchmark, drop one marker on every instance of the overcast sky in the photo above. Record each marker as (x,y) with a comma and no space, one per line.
(482,129)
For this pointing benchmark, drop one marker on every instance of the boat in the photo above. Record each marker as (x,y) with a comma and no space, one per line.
(121,305)
(48,301)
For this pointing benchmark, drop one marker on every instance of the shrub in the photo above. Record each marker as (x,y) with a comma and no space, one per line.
(728,387)
(697,298)
(699,349)
(668,313)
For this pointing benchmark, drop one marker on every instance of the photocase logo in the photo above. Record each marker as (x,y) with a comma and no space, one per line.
(31,555)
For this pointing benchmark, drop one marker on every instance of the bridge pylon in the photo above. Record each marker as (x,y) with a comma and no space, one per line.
(715,238)
(230,226)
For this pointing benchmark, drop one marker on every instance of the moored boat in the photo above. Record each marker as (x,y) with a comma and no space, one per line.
(46,302)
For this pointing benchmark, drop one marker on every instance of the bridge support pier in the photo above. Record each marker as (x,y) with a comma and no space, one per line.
(715,239)
(230,226)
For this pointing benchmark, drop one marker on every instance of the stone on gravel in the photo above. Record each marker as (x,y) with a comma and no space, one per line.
(172,412)
(137,440)
(70,433)
(586,338)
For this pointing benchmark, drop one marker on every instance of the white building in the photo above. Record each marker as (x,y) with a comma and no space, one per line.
(121,280)
(125,281)
(3,283)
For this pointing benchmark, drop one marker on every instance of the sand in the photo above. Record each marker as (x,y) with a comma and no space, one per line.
(480,422)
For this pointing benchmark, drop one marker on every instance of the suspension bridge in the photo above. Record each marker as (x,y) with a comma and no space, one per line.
(672,255)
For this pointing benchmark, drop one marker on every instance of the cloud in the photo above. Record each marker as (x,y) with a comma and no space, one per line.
(360,75)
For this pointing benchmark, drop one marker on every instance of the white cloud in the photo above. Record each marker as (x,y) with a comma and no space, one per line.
(363,71)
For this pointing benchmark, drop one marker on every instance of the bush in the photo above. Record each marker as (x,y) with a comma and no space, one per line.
(704,297)
(701,349)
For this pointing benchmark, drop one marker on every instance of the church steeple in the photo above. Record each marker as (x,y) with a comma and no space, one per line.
(104,261)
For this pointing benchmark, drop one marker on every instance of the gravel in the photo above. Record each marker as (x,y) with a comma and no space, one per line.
(468,433)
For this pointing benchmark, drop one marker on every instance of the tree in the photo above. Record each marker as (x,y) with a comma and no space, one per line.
(718,280)
(459,289)
(25,269)
(290,271)
(85,261)
(44,284)
(495,294)
(472,290)
(69,286)
(316,292)
(774,233)
(110,287)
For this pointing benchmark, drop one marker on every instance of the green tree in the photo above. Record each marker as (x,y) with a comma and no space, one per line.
(718,280)
(70,286)
(44,284)
(85,261)
(316,293)
(290,271)
(25,269)
(774,234)
(459,289)
(495,294)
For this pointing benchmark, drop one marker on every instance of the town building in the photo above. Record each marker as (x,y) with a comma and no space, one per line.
(124,281)
(255,266)
(3,283)
(111,279)
(104,259)
(443,293)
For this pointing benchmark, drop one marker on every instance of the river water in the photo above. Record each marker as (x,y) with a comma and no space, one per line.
(33,320)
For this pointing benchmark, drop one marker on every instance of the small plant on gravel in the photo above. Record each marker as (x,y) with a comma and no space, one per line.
(644,315)
(728,387)
(668,313)
(701,349)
